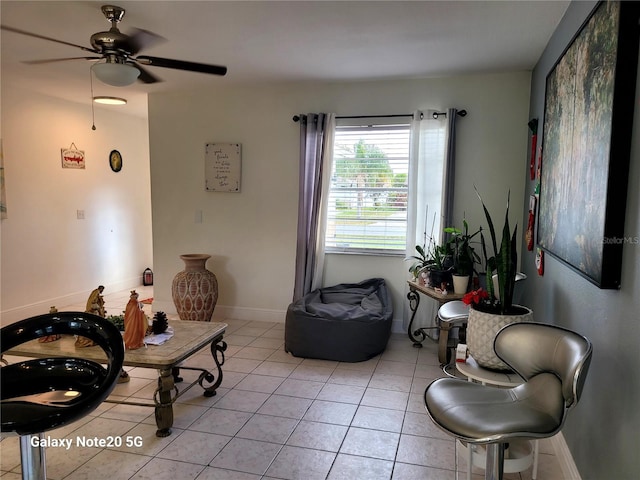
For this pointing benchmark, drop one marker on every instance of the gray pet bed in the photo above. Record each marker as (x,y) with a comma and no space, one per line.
(350,322)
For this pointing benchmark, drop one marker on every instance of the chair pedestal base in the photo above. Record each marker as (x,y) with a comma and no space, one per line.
(32,457)
(495,461)
(520,456)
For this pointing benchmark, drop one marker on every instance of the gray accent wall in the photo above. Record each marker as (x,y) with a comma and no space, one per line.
(603,431)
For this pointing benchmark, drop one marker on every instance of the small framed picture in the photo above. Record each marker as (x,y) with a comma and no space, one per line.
(115,160)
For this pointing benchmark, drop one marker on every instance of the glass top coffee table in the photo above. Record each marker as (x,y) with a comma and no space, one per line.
(188,339)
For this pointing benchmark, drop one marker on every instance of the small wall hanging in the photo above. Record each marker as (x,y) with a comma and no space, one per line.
(222,167)
(72,157)
(533,126)
(115,160)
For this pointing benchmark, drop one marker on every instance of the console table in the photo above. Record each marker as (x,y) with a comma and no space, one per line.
(189,338)
(418,335)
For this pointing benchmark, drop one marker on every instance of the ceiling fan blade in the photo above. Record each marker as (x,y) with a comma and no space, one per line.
(53,60)
(42,37)
(146,76)
(141,39)
(182,65)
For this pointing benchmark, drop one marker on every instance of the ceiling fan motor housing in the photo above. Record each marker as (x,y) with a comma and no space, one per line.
(110,42)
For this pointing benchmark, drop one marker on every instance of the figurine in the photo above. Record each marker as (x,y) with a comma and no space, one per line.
(50,338)
(95,305)
(135,323)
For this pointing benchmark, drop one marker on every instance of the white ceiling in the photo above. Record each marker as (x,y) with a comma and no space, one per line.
(269,41)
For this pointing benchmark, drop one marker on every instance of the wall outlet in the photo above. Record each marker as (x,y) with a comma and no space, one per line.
(80,214)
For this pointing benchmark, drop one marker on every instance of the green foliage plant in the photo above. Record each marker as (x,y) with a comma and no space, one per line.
(503,262)
(462,251)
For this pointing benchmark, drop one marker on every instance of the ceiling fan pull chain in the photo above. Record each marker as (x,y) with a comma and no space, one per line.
(93,114)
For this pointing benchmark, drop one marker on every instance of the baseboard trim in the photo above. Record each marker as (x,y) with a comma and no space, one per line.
(16,314)
(223,312)
(565,459)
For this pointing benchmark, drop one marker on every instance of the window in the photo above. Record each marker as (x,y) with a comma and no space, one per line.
(367,210)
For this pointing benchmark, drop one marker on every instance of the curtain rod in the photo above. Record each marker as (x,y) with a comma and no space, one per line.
(462,113)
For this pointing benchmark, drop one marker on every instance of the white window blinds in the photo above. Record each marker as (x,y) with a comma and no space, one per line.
(367,209)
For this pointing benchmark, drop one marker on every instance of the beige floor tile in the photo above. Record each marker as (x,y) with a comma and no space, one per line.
(319,436)
(142,440)
(395,368)
(283,406)
(314,373)
(350,467)
(419,424)
(370,443)
(242,401)
(390,381)
(433,453)
(403,471)
(194,447)
(255,353)
(296,463)
(259,383)
(222,422)
(159,468)
(341,393)
(110,464)
(275,416)
(378,419)
(359,378)
(331,412)
(275,369)
(300,388)
(375,397)
(268,428)
(249,456)
(210,473)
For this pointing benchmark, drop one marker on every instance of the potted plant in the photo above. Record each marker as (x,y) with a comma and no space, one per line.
(440,266)
(434,261)
(463,255)
(490,310)
(420,263)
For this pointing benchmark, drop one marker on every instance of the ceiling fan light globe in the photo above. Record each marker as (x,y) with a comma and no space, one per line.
(116,74)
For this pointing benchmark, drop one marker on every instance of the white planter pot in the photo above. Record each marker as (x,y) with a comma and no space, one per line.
(460,283)
(482,328)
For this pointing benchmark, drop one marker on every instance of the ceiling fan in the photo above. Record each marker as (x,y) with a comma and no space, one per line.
(118,63)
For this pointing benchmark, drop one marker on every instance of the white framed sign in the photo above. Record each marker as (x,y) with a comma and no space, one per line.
(222,167)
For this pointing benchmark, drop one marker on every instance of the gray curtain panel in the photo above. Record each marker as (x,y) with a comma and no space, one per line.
(313,128)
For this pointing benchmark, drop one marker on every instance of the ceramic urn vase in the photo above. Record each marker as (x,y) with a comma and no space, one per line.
(195,289)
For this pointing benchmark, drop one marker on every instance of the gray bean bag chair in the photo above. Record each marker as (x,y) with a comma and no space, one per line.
(350,322)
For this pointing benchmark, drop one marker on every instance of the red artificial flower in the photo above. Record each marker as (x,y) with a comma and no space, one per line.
(475,296)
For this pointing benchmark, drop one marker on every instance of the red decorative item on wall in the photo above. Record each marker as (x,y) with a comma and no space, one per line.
(533,126)
(531,224)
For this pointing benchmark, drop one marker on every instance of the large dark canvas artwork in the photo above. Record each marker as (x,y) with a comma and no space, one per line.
(588,118)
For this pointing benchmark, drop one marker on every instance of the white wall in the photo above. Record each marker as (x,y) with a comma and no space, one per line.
(49,257)
(251,235)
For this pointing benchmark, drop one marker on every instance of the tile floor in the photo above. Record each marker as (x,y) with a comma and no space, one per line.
(274,417)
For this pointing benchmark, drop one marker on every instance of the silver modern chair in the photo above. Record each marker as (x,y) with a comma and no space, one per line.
(552,361)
